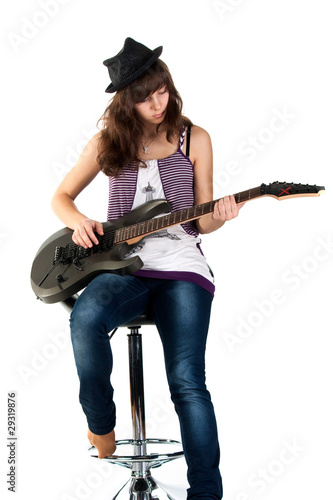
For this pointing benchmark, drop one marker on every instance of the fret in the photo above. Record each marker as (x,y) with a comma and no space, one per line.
(247,195)
(120,236)
(167,220)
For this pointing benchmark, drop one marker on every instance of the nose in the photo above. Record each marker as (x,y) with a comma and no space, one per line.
(155,102)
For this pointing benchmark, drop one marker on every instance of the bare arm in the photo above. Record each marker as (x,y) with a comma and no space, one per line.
(202,158)
(79,177)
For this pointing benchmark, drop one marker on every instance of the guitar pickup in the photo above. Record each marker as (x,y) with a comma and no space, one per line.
(82,252)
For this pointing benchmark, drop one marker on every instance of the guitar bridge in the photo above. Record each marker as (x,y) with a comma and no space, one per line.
(58,254)
(70,253)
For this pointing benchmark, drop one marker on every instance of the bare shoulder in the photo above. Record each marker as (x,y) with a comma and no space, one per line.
(88,157)
(92,144)
(201,145)
(200,135)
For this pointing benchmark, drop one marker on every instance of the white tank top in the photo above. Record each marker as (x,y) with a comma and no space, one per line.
(170,250)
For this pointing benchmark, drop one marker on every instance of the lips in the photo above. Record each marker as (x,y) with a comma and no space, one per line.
(159,115)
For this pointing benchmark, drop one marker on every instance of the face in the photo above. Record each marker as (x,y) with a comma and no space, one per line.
(152,110)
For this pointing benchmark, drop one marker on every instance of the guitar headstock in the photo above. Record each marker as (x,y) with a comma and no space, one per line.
(283,190)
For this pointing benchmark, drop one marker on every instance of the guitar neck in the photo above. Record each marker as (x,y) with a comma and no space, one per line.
(174,218)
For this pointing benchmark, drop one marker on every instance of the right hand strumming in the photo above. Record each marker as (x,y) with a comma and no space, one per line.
(84,233)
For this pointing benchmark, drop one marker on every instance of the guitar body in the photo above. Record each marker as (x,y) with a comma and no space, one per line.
(68,278)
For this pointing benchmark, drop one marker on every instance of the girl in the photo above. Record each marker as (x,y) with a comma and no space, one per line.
(146,149)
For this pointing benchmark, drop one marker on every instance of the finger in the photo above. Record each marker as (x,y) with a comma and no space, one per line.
(92,228)
(228,207)
(79,239)
(99,228)
(227,202)
(92,236)
(85,236)
(219,210)
(233,207)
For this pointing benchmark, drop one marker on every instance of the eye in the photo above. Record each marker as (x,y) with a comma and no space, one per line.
(147,98)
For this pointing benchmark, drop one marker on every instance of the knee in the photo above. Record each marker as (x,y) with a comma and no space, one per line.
(187,382)
(86,322)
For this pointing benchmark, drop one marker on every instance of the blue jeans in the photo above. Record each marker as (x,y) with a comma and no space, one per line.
(181,311)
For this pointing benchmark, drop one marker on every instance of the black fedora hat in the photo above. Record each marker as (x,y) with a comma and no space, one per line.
(133,59)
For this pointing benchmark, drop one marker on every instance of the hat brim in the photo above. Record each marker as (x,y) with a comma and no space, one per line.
(156,54)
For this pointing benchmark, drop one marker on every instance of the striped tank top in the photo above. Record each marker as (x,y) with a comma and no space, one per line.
(172,253)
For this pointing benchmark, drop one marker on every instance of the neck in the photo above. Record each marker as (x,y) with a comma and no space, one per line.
(150,131)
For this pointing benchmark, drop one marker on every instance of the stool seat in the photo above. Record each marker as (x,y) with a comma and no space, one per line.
(142,320)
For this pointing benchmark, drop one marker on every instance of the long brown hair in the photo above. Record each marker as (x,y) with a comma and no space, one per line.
(122,129)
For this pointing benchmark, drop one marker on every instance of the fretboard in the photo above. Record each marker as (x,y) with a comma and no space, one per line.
(180,217)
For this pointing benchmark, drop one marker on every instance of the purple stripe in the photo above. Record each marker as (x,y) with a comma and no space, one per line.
(179,275)
(121,193)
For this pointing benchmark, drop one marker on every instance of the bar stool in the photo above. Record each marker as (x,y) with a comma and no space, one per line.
(141,485)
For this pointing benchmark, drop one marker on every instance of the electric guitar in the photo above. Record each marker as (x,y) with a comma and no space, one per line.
(61,268)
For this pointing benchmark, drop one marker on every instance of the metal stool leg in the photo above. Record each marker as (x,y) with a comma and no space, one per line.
(141,485)
(137,394)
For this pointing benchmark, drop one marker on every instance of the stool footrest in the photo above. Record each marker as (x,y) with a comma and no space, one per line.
(152,460)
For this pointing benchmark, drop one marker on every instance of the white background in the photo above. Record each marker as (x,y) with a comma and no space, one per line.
(237,64)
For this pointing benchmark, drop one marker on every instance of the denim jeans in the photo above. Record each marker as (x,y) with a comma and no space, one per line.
(181,311)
